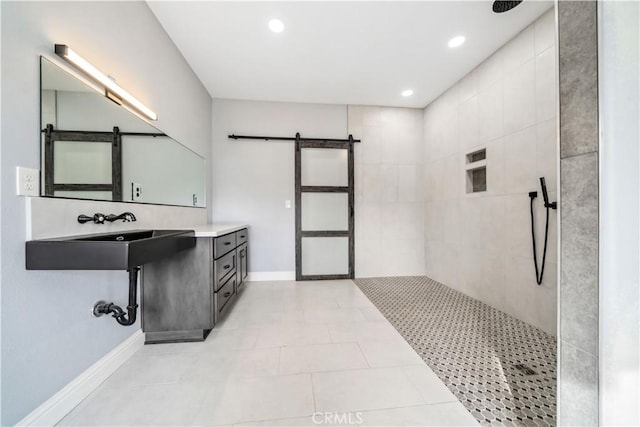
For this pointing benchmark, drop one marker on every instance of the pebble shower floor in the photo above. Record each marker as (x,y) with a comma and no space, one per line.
(483,355)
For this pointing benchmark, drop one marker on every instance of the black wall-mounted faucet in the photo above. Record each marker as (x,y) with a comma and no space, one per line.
(99,218)
(125,217)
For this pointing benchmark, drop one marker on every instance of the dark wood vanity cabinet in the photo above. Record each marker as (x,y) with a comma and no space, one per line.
(185,296)
(230,254)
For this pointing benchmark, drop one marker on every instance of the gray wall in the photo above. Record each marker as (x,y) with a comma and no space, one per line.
(579,193)
(253,178)
(48,336)
(619,59)
(480,243)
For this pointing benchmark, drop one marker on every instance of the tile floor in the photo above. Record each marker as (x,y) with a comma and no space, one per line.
(288,354)
(474,349)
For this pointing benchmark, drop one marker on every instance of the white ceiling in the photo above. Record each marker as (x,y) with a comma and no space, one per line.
(338,52)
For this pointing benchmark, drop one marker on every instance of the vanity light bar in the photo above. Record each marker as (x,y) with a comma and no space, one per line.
(111,88)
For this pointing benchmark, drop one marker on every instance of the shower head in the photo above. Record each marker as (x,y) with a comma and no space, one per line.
(505,6)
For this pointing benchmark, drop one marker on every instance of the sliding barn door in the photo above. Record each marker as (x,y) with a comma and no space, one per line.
(325,246)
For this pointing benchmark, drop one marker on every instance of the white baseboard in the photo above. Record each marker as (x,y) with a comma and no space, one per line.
(61,403)
(269,276)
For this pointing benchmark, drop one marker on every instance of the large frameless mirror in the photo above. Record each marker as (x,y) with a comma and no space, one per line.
(93,148)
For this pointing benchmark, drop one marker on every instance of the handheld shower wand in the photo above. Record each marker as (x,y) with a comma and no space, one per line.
(548,205)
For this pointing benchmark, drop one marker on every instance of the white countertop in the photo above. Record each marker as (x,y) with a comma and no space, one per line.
(217,229)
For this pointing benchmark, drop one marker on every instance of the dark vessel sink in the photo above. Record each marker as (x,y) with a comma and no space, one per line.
(110,251)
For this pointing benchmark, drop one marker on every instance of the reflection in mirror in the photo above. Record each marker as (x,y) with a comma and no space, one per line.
(92,148)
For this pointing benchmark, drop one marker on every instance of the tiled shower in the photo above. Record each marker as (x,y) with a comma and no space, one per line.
(442,193)
(415,214)
(480,243)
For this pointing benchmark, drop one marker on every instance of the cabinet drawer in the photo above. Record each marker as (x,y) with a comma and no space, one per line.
(223,296)
(242,236)
(225,267)
(225,293)
(223,244)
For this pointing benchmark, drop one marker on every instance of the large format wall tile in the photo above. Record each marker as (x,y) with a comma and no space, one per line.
(520,98)
(390,187)
(468,114)
(370,151)
(546,85)
(518,51)
(520,161)
(490,113)
(496,178)
(547,152)
(578,45)
(468,87)
(480,243)
(577,387)
(579,252)
(410,183)
(489,71)
(545,32)
(402,257)
(388,183)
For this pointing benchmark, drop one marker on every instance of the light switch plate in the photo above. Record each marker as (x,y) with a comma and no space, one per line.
(287,204)
(27,182)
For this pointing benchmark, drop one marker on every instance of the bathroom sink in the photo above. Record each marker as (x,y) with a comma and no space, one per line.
(110,251)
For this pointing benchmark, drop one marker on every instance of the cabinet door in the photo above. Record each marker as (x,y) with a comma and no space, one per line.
(242,264)
(245,262)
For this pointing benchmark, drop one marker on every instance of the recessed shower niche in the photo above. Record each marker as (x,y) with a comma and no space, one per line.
(476,171)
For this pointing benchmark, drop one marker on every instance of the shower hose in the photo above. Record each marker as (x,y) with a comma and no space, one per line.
(539,272)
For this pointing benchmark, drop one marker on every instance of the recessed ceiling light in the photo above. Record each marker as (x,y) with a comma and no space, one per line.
(407,92)
(276,26)
(456,41)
